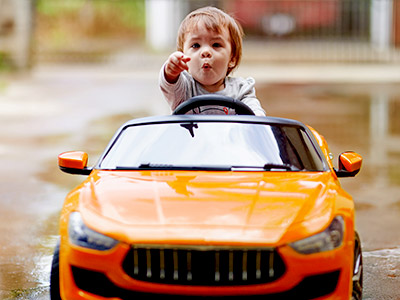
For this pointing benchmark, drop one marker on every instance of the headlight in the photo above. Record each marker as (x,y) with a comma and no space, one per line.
(329,239)
(81,235)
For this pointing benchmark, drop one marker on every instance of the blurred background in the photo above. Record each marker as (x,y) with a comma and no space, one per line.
(73,71)
(34,31)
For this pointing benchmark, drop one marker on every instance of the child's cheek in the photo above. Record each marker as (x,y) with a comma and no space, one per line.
(190,65)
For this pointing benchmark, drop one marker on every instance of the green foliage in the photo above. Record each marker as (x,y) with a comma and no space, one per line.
(55,8)
(88,27)
(1,61)
(4,64)
(129,12)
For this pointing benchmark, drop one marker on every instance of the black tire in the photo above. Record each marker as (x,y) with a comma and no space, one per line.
(55,274)
(357,270)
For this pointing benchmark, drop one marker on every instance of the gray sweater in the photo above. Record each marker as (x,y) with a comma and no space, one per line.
(186,87)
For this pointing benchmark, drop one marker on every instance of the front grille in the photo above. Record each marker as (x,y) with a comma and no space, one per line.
(208,266)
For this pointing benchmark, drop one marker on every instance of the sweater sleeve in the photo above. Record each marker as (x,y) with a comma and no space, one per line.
(174,93)
(247,95)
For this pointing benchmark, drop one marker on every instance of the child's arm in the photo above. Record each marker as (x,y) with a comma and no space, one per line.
(176,63)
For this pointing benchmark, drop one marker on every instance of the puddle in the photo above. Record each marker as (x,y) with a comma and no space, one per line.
(26,261)
(383,253)
(26,274)
(362,118)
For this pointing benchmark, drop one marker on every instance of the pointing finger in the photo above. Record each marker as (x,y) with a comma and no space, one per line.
(185,58)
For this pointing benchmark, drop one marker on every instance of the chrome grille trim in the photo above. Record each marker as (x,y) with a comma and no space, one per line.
(175,261)
(135,261)
(244,265)
(271,264)
(162,264)
(217,266)
(189,265)
(258,264)
(230,274)
(148,263)
(203,265)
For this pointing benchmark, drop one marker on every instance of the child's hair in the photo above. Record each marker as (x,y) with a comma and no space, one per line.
(214,19)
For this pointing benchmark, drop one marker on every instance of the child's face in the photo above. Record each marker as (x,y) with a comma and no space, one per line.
(210,56)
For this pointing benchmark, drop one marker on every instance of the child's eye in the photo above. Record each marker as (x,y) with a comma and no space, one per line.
(217,45)
(196,45)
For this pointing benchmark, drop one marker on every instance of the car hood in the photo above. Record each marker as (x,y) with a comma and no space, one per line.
(207,207)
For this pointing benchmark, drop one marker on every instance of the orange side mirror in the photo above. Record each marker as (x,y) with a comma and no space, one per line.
(74,162)
(349,164)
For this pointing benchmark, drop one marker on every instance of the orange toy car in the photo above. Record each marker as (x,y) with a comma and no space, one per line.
(209,206)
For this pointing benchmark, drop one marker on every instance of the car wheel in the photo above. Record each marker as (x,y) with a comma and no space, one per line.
(357,270)
(55,275)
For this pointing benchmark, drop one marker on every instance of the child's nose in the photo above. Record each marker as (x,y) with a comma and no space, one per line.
(206,52)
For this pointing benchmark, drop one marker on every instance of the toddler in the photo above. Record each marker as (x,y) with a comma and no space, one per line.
(209,48)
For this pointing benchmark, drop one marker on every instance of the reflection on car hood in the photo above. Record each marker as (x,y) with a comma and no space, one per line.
(207,207)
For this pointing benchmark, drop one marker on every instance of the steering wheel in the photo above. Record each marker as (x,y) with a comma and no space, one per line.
(213,100)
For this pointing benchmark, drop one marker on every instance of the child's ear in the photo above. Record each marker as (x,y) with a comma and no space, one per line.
(232,63)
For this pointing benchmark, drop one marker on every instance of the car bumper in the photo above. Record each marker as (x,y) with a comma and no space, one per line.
(89,274)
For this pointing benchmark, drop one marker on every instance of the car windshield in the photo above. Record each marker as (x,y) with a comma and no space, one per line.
(213,145)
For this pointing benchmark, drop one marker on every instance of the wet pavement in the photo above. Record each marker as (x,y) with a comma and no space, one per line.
(51,110)
(365,118)
(58,108)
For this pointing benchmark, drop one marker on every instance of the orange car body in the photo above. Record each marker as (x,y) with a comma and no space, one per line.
(203,210)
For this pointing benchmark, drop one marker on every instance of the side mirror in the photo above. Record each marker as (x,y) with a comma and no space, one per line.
(349,164)
(74,162)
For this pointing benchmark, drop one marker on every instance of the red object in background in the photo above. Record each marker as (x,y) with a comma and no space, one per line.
(282,17)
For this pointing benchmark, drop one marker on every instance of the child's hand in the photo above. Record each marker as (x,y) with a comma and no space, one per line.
(176,63)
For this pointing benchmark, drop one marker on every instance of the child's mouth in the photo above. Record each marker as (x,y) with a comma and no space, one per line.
(206,66)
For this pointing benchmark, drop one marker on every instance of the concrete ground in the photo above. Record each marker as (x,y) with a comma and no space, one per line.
(55,108)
